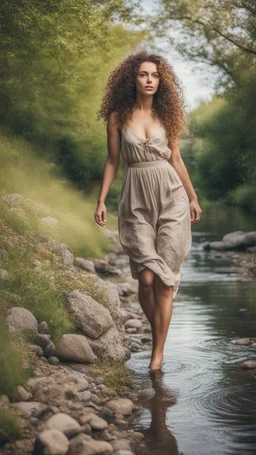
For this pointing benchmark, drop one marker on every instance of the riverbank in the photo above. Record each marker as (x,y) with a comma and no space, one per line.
(65,387)
(80,395)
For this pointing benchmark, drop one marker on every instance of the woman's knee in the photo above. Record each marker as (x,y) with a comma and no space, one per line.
(146,280)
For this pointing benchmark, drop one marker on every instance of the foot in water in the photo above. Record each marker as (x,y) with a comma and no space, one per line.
(156,362)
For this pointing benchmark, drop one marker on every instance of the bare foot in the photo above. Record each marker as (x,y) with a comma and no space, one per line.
(156,362)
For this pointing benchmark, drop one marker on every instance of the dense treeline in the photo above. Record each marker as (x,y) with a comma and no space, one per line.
(221,34)
(54,60)
(226,157)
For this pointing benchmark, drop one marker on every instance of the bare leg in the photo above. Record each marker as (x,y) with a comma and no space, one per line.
(162,318)
(146,293)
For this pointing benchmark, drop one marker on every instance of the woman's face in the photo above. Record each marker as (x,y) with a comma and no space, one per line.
(147,79)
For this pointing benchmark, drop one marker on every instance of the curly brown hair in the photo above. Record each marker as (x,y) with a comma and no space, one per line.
(168,101)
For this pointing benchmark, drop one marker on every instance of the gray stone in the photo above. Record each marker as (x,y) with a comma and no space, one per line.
(131,330)
(85,395)
(112,270)
(89,316)
(109,346)
(3,274)
(30,408)
(81,381)
(135,347)
(82,446)
(122,406)
(99,380)
(97,423)
(51,442)
(125,289)
(37,349)
(133,323)
(23,394)
(53,360)
(121,444)
(72,347)
(101,266)
(113,304)
(43,327)
(41,340)
(248,364)
(13,199)
(84,264)
(63,422)
(243,341)
(63,251)
(22,320)
(49,349)
(237,240)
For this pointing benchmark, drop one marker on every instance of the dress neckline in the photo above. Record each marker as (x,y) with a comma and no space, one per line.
(145,139)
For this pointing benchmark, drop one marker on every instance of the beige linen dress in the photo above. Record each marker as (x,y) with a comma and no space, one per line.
(154,215)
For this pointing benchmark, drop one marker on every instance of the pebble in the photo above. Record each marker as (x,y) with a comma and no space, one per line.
(133,323)
(243,341)
(97,423)
(123,406)
(63,422)
(248,364)
(51,442)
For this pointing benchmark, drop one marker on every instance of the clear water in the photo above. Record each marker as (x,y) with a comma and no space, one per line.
(204,402)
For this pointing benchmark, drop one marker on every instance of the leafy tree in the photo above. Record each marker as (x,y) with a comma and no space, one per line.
(54,60)
(220,33)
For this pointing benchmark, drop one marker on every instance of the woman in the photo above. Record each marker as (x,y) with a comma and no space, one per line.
(144,110)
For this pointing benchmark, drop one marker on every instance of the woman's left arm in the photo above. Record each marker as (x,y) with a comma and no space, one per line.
(177,162)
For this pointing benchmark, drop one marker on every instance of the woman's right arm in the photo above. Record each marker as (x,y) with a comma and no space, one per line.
(110,168)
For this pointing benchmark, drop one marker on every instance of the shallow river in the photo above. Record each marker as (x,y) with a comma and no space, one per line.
(204,402)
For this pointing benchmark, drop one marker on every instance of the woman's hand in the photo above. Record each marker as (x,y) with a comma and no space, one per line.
(195,211)
(100,214)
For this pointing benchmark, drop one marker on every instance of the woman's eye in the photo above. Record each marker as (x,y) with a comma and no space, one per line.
(154,75)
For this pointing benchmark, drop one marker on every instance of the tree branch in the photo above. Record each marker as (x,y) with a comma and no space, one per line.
(228,38)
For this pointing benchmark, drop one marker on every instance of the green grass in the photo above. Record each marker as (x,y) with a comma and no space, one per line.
(42,183)
(9,426)
(15,363)
(115,373)
(42,292)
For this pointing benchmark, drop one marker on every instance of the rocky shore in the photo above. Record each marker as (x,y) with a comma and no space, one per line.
(81,399)
(240,247)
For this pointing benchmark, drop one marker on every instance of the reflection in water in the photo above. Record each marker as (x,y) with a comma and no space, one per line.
(204,402)
(158,437)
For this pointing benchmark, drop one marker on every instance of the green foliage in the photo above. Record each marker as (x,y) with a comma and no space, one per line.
(48,193)
(218,163)
(220,33)
(13,372)
(54,61)
(9,426)
(226,157)
(40,292)
(115,373)
(244,196)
